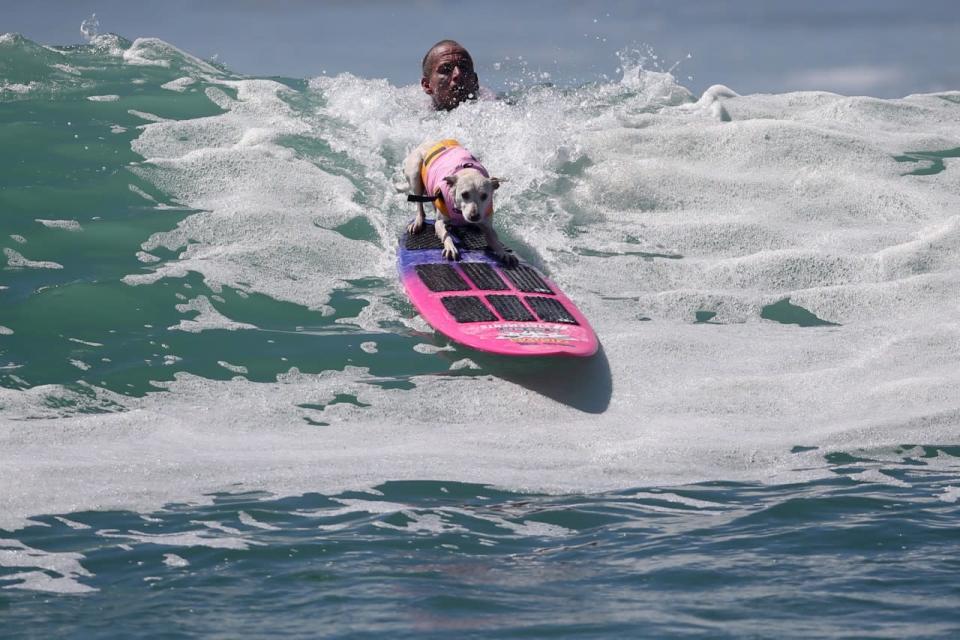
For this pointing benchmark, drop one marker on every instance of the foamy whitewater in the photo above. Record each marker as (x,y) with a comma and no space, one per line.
(774,280)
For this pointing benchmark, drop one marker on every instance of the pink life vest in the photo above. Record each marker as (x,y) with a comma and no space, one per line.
(442,160)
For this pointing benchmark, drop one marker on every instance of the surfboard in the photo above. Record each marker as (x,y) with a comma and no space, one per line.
(482,304)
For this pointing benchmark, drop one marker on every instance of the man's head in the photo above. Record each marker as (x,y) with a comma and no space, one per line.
(448,75)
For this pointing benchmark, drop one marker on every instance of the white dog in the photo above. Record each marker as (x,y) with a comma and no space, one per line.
(461,190)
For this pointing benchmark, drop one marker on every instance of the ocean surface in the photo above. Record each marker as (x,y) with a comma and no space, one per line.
(220,417)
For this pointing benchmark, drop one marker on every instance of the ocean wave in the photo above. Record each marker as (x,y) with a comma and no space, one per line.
(764,272)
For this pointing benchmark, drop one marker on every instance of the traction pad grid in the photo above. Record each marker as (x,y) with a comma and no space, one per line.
(510,308)
(426,239)
(468,309)
(469,238)
(484,276)
(550,310)
(526,279)
(441,277)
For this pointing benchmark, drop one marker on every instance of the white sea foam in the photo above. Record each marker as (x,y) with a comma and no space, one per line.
(109,43)
(42,581)
(198,538)
(286,228)
(85,342)
(438,520)
(149,117)
(232,367)
(78,526)
(140,192)
(250,521)
(19,88)
(180,84)
(424,523)
(532,528)
(64,566)
(80,364)
(16,260)
(875,476)
(157,53)
(209,318)
(645,204)
(66,68)
(703,505)
(175,561)
(950,494)
(423,347)
(217,526)
(66,225)
(353,506)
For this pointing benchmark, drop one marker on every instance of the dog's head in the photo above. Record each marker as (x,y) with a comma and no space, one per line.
(473,193)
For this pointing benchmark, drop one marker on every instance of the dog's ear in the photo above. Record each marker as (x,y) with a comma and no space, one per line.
(496,182)
(451,180)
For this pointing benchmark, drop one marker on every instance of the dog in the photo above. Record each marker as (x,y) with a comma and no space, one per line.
(460,189)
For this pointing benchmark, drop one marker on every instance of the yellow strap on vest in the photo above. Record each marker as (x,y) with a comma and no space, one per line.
(428,158)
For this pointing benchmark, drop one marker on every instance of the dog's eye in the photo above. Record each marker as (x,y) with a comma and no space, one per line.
(466,196)
(483,197)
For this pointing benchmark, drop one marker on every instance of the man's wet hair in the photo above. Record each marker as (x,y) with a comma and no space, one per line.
(426,58)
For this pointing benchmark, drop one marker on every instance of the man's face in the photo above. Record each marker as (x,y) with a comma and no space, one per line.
(451,78)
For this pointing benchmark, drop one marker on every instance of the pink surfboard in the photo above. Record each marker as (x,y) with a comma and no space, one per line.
(480,303)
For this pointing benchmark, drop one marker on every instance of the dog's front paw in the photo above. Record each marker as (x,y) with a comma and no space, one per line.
(415,227)
(450,253)
(507,258)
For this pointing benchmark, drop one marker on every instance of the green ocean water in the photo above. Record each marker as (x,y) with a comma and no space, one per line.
(68,159)
(220,417)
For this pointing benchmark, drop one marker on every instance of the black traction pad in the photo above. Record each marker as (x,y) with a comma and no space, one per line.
(510,308)
(484,276)
(468,309)
(470,237)
(441,277)
(425,239)
(526,279)
(550,310)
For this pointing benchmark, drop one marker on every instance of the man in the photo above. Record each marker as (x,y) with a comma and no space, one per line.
(448,75)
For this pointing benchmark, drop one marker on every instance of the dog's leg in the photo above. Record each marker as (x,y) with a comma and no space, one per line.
(411,169)
(450,251)
(414,227)
(502,253)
